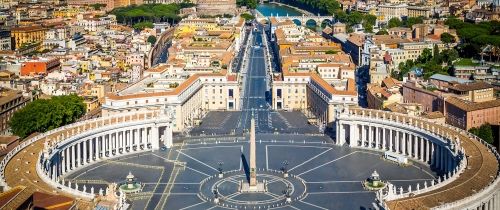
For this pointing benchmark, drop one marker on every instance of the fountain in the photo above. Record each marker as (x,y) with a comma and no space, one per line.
(130,185)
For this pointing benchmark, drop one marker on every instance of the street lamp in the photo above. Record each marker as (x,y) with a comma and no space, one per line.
(220,163)
(284,168)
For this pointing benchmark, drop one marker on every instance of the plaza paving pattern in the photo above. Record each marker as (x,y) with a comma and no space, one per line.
(332,174)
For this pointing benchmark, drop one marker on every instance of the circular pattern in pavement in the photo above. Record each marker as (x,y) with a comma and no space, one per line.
(277,189)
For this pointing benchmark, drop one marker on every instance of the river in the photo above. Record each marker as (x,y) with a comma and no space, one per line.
(274,9)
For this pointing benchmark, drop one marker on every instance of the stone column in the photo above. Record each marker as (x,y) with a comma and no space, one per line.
(129,139)
(384,139)
(422,148)
(169,137)
(73,155)
(377,137)
(113,142)
(63,162)
(144,138)
(97,150)
(338,129)
(108,144)
(410,144)
(91,149)
(155,137)
(415,147)
(432,156)
(370,136)
(136,140)
(352,135)
(403,143)
(85,151)
(66,158)
(391,139)
(398,140)
(427,151)
(79,153)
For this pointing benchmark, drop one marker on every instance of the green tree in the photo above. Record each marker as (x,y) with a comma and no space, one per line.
(382,32)
(43,115)
(447,38)
(409,22)
(394,22)
(247,16)
(251,4)
(354,18)
(143,25)
(370,19)
(425,56)
(330,52)
(152,39)
(97,6)
(484,132)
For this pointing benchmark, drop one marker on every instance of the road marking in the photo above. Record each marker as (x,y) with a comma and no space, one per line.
(325,164)
(319,207)
(208,147)
(267,160)
(187,207)
(326,182)
(198,161)
(310,159)
(338,192)
(197,171)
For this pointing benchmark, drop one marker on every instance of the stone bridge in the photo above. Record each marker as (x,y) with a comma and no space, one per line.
(302,19)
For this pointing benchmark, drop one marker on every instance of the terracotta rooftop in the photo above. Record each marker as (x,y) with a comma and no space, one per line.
(49,201)
(470,86)
(433,115)
(469,106)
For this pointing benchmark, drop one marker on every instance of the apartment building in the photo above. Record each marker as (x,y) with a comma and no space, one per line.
(189,97)
(27,35)
(10,102)
(311,80)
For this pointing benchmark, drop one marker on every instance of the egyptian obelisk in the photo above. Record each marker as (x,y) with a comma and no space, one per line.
(253,172)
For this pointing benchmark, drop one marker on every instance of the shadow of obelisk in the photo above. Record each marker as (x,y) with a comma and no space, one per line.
(245,166)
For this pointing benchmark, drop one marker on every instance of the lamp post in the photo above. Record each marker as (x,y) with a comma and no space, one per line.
(284,168)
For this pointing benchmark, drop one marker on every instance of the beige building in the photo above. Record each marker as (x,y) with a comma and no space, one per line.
(415,11)
(189,97)
(389,11)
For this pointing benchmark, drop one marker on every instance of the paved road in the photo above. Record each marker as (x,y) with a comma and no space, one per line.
(254,96)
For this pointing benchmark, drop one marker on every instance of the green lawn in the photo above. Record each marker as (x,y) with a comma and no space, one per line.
(465,62)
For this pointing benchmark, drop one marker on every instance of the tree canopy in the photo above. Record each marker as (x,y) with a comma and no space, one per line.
(247,16)
(430,62)
(46,114)
(484,132)
(382,32)
(143,25)
(251,4)
(394,22)
(152,39)
(133,14)
(447,38)
(474,36)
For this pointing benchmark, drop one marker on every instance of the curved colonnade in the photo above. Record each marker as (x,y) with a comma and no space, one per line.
(62,151)
(467,164)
